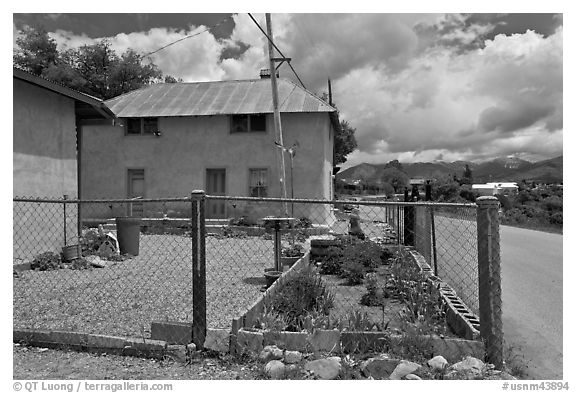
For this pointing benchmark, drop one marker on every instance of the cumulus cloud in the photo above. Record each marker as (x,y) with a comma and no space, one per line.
(415,86)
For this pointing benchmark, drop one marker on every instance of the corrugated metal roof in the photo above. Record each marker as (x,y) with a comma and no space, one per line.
(215,98)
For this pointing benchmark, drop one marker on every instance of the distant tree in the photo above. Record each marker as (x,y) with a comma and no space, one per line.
(396,178)
(394,164)
(171,79)
(467,176)
(344,142)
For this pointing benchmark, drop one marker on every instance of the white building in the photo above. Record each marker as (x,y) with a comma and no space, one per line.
(495,188)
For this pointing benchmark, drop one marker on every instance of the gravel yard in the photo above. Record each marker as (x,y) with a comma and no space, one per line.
(125,297)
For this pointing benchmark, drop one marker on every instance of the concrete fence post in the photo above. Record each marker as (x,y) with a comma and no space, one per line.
(198,198)
(489,279)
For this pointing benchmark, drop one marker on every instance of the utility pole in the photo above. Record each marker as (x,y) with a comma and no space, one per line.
(277,121)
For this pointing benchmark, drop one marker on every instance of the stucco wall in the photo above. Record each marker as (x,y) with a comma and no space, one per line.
(175,163)
(44,165)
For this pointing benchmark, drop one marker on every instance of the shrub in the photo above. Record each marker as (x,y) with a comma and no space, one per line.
(365,252)
(80,264)
(556,218)
(331,263)
(353,271)
(299,295)
(46,261)
(243,221)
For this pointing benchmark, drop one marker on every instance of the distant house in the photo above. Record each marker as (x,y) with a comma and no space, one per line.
(495,188)
(47,124)
(218,136)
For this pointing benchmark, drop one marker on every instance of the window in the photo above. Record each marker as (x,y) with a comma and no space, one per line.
(259,183)
(141,125)
(248,123)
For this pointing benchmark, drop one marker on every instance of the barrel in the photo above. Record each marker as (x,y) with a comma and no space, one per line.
(128,233)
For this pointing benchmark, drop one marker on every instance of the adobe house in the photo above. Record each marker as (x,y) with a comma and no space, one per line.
(173,138)
(47,120)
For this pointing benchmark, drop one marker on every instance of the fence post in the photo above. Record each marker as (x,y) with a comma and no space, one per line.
(198,198)
(489,280)
(65,197)
(408,225)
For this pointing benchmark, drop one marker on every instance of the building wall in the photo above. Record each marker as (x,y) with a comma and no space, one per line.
(44,132)
(175,163)
(44,165)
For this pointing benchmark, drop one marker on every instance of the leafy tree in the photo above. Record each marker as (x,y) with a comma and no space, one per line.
(171,79)
(37,51)
(344,142)
(93,69)
(394,164)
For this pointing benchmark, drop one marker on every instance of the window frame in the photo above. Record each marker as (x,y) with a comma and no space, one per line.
(142,126)
(249,120)
(266,185)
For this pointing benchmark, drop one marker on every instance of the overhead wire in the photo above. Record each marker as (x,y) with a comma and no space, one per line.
(189,36)
(275,47)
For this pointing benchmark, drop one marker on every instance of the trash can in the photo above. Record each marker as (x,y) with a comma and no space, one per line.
(128,233)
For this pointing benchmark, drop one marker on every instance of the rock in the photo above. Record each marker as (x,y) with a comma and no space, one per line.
(96,261)
(191,347)
(328,368)
(292,357)
(412,377)
(469,364)
(404,368)
(271,352)
(275,369)
(379,368)
(438,363)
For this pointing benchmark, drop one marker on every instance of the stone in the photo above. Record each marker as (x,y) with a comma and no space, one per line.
(271,352)
(292,357)
(328,368)
(412,377)
(250,341)
(404,368)
(95,261)
(324,341)
(469,365)
(438,363)
(275,369)
(379,368)
(191,347)
(217,340)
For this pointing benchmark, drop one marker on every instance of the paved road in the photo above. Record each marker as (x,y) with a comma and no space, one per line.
(532,298)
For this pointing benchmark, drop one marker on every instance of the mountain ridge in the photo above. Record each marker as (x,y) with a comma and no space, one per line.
(498,169)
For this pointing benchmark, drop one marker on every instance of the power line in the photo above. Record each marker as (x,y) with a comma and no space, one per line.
(189,36)
(275,47)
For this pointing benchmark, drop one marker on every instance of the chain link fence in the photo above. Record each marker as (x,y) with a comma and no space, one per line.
(229,247)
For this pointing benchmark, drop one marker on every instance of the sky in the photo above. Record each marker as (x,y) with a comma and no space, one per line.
(416,87)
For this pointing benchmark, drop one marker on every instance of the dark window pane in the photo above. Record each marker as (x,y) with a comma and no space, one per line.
(239,123)
(258,123)
(133,126)
(150,125)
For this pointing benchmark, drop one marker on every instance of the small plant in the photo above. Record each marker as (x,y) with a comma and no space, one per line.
(233,233)
(80,264)
(293,250)
(353,271)
(303,222)
(364,252)
(46,261)
(242,221)
(300,294)
(271,321)
(374,295)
